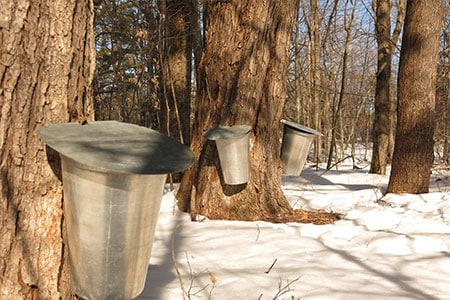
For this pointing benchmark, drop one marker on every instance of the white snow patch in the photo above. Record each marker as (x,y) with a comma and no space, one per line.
(396,248)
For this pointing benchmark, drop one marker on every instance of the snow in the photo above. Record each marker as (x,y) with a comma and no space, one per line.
(391,247)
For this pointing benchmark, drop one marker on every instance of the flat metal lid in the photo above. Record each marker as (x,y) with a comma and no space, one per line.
(301,128)
(111,146)
(227,132)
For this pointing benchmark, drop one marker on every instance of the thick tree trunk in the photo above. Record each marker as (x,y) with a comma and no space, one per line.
(46,67)
(241,81)
(413,153)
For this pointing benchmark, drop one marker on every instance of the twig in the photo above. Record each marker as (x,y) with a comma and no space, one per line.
(187,294)
(286,289)
(174,260)
(440,167)
(338,162)
(271,266)
(213,280)
(258,232)
(192,276)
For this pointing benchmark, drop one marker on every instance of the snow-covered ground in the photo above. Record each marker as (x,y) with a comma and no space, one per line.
(392,247)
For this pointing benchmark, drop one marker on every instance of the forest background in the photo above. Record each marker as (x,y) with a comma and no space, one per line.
(148,53)
(182,67)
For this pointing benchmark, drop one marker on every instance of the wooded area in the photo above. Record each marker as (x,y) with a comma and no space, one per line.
(182,67)
(324,90)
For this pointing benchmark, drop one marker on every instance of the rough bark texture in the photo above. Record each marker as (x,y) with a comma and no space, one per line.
(46,67)
(413,154)
(314,58)
(382,121)
(241,81)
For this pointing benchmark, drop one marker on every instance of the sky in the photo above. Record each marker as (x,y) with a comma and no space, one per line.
(385,247)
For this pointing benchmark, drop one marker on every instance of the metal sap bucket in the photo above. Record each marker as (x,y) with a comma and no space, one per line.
(233,147)
(297,140)
(113,177)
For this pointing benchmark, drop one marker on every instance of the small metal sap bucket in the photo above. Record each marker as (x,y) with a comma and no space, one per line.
(113,177)
(297,140)
(233,147)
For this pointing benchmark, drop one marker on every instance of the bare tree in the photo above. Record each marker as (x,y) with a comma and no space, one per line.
(126,82)
(241,81)
(315,77)
(442,133)
(384,103)
(179,37)
(413,154)
(337,113)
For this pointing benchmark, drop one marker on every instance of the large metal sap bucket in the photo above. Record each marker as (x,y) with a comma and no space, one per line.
(113,177)
(297,140)
(233,146)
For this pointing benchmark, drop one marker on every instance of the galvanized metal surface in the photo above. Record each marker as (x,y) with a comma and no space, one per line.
(297,140)
(110,146)
(300,127)
(233,147)
(113,177)
(227,132)
(110,221)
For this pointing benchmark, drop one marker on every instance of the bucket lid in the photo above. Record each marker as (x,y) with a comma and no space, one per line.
(111,146)
(301,128)
(227,132)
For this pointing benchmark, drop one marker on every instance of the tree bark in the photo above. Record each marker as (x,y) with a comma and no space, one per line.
(413,153)
(241,81)
(384,118)
(382,121)
(314,34)
(46,67)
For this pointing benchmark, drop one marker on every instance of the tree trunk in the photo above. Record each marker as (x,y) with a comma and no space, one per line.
(413,153)
(446,125)
(177,68)
(337,113)
(384,104)
(315,77)
(46,68)
(381,124)
(241,81)
(442,136)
